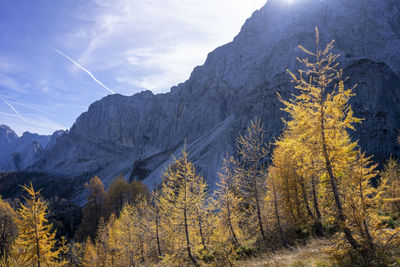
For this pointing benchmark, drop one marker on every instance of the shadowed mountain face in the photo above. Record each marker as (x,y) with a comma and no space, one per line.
(136,135)
(18,153)
(8,139)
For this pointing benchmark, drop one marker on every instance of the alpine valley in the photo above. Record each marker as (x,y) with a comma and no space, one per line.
(137,136)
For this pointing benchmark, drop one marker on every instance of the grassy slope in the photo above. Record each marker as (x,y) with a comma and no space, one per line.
(309,255)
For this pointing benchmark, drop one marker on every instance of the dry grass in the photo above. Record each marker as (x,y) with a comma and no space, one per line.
(308,255)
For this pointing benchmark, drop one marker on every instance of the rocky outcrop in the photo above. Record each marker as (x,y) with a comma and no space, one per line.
(136,135)
(53,138)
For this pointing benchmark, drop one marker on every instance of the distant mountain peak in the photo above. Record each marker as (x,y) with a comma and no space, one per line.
(17,153)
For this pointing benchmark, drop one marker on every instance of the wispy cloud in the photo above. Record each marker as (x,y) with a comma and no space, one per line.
(85,70)
(167,39)
(163,68)
(9,83)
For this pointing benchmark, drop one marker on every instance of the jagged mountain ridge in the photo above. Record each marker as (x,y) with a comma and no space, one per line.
(136,135)
(18,153)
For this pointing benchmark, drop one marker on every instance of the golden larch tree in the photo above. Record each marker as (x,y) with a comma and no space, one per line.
(94,209)
(183,192)
(251,168)
(36,243)
(391,173)
(227,202)
(8,230)
(321,117)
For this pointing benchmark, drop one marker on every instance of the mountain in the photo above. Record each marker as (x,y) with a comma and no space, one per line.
(8,139)
(53,138)
(21,160)
(136,135)
(18,153)
(28,138)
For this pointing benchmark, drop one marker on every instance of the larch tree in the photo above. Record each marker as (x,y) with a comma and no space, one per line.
(321,116)
(309,172)
(227,202)
(36,243)
(202,212)
(155,219)
(283,174)
(143,236)
(273,198)
(123,235)
(102,243)
(362,201)
(391,173)
(94,209)
(182,190)
(89,257)
(130,237)
(251,168)
(121,191)
(8,230)
(118,194)
(297,178)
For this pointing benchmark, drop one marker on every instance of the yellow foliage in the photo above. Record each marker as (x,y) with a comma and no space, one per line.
(227,204)
(391,174)
(182,204)
(318,144)
(8,229)
(36,241)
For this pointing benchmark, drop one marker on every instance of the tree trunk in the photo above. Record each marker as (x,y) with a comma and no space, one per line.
(157,234)
(367,232)
(36,235)
(203,242)
(305,198)
(233,234)
(188,240)
(332,178)
(128,251)
(142,251)
(258,210)
(278,220)
(318,223)
(289,199)
(121,200)
(189,251)
(296,195)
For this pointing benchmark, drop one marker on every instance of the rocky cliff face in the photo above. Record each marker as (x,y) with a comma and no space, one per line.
(19,161)
(136,135)
(8,139)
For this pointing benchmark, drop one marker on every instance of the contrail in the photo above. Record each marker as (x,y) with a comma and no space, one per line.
(82,68)
(28,106)
(11,106)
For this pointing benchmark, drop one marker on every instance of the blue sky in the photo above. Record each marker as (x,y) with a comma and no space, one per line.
(127,45)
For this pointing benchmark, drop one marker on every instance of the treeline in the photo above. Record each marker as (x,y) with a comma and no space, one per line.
(312,181)
(27,238)
(101,204)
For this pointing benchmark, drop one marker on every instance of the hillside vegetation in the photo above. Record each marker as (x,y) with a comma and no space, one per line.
(310,198)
